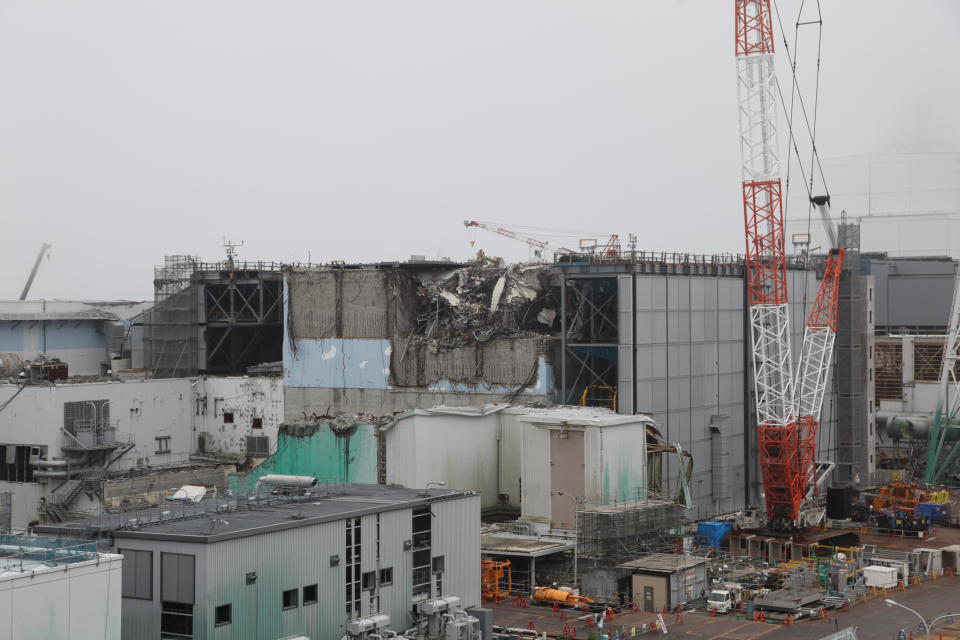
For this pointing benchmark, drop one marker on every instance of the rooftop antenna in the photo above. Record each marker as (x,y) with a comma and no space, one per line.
(231,249)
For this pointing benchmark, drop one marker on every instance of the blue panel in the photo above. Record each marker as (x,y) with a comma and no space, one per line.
(11,336)
(337,363)
(75,335)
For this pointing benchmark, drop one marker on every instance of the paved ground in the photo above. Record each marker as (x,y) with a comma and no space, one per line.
(873,619)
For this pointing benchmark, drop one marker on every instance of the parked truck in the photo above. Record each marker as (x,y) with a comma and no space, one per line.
(723,598)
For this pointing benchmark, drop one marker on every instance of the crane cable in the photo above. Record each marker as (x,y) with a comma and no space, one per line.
(796,96)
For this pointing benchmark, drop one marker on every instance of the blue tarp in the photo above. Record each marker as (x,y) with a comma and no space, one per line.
(714,532)
(928,510)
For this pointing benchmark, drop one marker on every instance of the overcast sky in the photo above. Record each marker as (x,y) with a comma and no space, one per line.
(371,130)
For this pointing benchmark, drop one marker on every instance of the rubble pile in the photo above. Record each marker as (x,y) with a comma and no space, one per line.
(486,300)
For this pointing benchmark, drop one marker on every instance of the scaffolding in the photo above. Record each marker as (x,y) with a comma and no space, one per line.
(612,534)
(213,317)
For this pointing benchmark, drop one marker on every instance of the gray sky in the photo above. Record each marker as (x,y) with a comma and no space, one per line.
(371,130)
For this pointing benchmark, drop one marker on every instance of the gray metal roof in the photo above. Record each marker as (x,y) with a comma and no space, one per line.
(663,563)
(241,517)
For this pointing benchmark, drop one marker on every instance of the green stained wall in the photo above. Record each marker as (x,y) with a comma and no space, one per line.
(345,455)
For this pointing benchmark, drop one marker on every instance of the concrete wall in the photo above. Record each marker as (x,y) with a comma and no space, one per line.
(75,602)
(82,344)
(347,348)
(328,453)
(141,411)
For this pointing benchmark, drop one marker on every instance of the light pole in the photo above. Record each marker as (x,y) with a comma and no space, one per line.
(933,622)
(576,536)
(894,603)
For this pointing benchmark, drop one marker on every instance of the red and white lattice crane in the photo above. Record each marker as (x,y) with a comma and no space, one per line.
(788,408)
(766,261)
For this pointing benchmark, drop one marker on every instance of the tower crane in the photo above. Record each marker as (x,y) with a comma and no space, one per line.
(788,408)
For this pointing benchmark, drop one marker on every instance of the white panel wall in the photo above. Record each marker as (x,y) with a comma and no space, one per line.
(78,603)
(458,450)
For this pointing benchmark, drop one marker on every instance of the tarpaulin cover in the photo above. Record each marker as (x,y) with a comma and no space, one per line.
(928,510)
(714,532)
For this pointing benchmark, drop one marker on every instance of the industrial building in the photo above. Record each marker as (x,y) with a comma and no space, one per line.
(76,447)
(58,588)
(83,338)
(274,566)
(218,318)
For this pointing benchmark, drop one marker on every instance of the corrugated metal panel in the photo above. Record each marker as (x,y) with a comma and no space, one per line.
(456,537)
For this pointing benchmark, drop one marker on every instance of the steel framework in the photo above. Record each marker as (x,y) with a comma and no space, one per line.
(778,438)
(819,336)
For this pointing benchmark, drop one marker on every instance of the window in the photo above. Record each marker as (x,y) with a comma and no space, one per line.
(223,615)
(228,417)
(257,423)
(386,576)
(163,444)
(16,462)
(290,599)
(176,578)
(176,621)
(438,564)
(369,581)
(137,574)
(310,594)
(258,446)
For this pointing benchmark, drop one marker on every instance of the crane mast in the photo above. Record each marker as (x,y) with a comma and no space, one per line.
(779,447)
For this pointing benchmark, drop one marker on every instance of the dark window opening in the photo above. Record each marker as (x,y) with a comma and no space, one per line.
(438,564)
(290,599)
(369,581)
(310,594)
(163,444)
(16,462)
(176,621)
(228,417)
(386,576)
(257,423)
(223,615)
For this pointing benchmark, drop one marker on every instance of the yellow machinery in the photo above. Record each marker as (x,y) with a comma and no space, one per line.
(494,576)
(560,596)
(587,399)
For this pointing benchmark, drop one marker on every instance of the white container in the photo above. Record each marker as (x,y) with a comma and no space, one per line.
(876,576)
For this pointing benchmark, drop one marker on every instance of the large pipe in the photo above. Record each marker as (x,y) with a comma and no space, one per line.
(280,480)
(912,426)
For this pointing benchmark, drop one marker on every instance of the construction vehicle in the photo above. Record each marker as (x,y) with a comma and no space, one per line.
(725,598)
(496,579)
(561,596)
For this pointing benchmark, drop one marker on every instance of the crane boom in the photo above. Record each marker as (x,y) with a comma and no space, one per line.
(533,242)
(33,272)
(819,336)
(767,297)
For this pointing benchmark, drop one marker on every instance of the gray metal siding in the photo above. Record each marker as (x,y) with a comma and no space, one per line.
(297,557)
(456,537)
(689,364)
